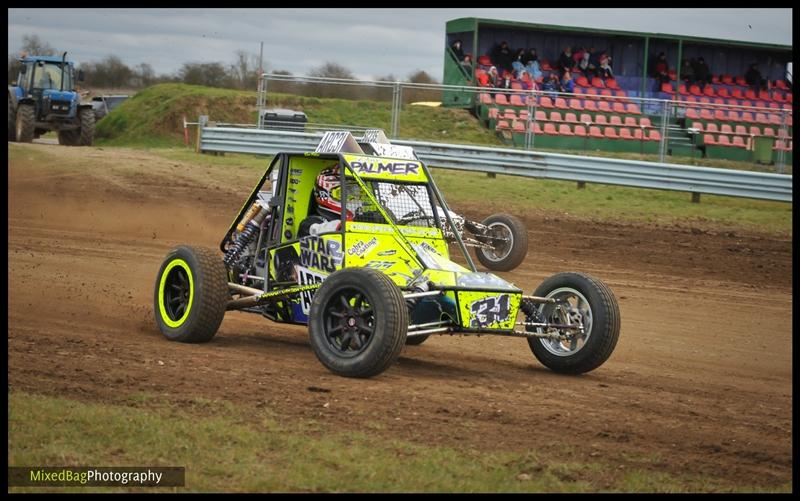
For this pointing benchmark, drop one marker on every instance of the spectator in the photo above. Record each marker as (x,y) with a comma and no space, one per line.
(754,79)
(519,61)
(532,64)
(583,63)
(687,71)
(577,56)
(457,50)
(567,85)
(494,78)
(502,57)
(594,61)
(552,84)
(702,73)
(467,63)
(661,69)
(605,70)
(565,61)
(525,81)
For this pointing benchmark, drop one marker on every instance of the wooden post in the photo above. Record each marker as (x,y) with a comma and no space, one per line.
(491,175)
(695,198)
(581,185)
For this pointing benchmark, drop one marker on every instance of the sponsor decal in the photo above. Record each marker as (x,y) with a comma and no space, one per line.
(294,181)
(360,248)
(380,265)
(307,278)
(428,247)
(383,166)
(390,252)
(489,310)
(296,171)
(318,254)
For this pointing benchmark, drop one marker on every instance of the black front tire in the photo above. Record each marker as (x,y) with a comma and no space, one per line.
(355,337)
(417,340)
(602,335)
(86,116)
(505,258)
(25,123)
(191,294)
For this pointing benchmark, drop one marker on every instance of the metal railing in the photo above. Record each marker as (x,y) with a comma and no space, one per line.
(518,162)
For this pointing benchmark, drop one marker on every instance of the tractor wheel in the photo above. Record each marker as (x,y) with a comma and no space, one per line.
(358,322)
(191,294)
(511,252)
(68,137)
(86,116)
(12,121)
(25,123)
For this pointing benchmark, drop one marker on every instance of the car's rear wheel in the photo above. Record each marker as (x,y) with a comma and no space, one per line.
(358,322)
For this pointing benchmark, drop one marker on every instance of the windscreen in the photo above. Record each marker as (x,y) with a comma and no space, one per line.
(48,76)
(406,204)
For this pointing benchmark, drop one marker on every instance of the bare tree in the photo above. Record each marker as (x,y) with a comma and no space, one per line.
(208,74)
(32,45)
(332,70)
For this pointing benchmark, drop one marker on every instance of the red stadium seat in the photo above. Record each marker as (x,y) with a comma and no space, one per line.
(575,104)
(618,107)
(774,105)
(747,117)
(704,100)
(536,128)
(750,94)
(500,100)
(630,122)
(754,131)
(712,128)
(625,133)
(545,65)
(761,118)
(607,92)
(595,132)
(633,109)
(723,140)
(589,106)
(561,104)
(723,92)
(709,139)
(698,126)
(682,89)
(727,79)
(615,120)
(692,113)
(486,98)
(740,81)
(719,101)
(519,127)
(714,79)
(591,93)
(516,100)
(540,116)
(571,118)
(690,99)
(545,102)
(733,116)
(509,114)
(484,61)
(516,85)
(610,132)
(709,91)
(695,89)
(502,124)
(780,84)
(706,114)
(726,129)
(621,93)
(586,118)
(774,118)
(582,81)
(523,115)
(637,134)
(720,114)
(764,95)
(603,106)
(550,129)
(737,93)
(612,84)
(741,129)
(565,130)
(601,119)
(555,116)
(598,82)
(654,135)
(645,122)
(580,130)
(494,112)
(667,87)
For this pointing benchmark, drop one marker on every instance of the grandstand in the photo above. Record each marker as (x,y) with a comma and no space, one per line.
(726,118)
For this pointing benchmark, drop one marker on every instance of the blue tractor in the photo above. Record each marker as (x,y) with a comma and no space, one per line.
(44,99)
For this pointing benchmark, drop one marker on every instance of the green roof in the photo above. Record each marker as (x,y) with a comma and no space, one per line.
(458,25)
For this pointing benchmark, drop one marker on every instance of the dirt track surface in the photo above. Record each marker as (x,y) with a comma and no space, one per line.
(700,382)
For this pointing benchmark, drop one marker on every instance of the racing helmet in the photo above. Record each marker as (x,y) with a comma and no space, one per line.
(328,193)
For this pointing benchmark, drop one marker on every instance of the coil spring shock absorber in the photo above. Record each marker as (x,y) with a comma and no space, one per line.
(248,228)
(420,287)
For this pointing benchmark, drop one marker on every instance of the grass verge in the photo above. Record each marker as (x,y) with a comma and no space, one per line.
(222,452)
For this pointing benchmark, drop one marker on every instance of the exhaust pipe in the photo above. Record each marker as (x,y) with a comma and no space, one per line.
(63,68)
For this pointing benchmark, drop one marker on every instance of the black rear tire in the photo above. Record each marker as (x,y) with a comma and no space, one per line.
(601,335)
(68,137)
(191,294)
(12,121)
(25,123)
(508,258)
(358,322)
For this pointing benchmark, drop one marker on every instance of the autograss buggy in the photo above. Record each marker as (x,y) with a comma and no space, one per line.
(375,277)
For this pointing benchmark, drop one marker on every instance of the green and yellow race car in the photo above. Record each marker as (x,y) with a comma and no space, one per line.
(354,240)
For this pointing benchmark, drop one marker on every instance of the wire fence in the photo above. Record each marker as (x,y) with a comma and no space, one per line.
(588,120)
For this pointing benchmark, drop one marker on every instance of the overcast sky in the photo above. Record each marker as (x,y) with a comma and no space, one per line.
(370,42)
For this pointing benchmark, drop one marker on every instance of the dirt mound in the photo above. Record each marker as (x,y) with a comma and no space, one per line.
(155,115)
